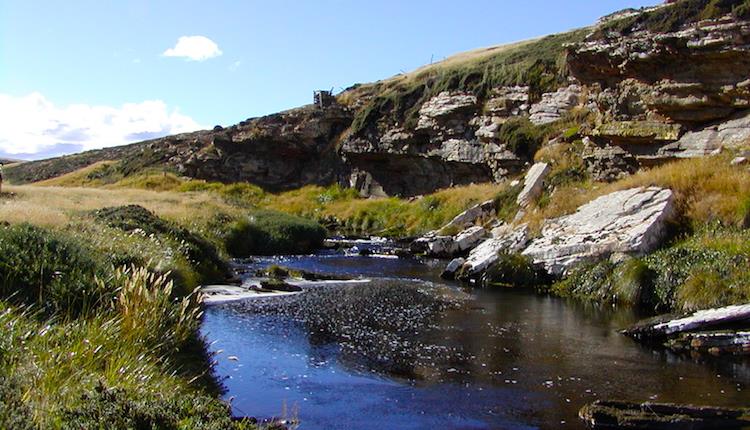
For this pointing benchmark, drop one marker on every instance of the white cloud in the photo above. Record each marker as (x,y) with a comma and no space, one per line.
(34,125)
(196,48)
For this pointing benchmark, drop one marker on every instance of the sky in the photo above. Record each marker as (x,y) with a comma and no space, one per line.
(78,75)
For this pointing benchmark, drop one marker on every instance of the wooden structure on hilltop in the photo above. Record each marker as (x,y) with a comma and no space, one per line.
(323,98)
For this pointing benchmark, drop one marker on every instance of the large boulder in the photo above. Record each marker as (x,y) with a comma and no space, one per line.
(506,238)
(474,215)
(632,221)
(533,184)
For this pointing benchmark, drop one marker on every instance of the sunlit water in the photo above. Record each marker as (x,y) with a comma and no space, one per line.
(497,359)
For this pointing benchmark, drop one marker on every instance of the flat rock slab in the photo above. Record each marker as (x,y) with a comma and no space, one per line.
(701,320)
(661,416)
(714,343)
(506,238)
(533,184)
(632,221)
(217,294)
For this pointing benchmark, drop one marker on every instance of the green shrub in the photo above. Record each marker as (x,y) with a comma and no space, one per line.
(633,283)
(199,253)
(104,408)
(47,268)
(705,269)
(515,270)
(14,413)
(270,232)
(523,137)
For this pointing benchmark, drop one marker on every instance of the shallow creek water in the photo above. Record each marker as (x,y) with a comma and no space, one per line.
(409,351)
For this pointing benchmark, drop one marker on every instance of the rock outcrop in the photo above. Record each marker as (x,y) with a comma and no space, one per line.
(711,139)
(274,152)
(533,184)
(693,75)
(507,238)
(470,225)
(632,221)
(554,105)
(609,163)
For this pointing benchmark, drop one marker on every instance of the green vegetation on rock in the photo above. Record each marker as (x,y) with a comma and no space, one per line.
(538,64)
(671,18)
(704,269)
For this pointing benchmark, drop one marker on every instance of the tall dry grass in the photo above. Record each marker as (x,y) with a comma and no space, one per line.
(58,206)
(706,189)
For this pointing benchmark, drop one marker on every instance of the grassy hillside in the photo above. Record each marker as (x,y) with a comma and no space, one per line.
(538,63)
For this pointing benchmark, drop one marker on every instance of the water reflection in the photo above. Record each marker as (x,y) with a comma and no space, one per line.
(414,354)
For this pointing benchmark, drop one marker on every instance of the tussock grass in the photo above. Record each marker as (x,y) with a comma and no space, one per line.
(707,189)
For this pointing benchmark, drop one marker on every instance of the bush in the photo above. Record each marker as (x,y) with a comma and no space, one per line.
(270,232)
(702,270)
(523,137)
(104,408)
(47,268)
(200,254)
(515,270)
(14,413)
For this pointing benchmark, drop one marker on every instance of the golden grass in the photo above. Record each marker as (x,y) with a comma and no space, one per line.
(457,60)
(707,189)
(78,178)
(58,206)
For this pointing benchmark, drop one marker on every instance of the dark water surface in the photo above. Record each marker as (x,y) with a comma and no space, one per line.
(408,351)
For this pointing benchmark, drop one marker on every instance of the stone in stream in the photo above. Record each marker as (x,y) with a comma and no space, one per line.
(506,238)
(632,221)
(533,184)
(626,415)
(659,328)
(450,270)
(448,246)
(714,343)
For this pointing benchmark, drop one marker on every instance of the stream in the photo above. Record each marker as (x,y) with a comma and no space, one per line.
(408,350)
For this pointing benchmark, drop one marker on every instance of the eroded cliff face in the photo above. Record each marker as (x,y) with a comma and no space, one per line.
(666,95)
(277,152)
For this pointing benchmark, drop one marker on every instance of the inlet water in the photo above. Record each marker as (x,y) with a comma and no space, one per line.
(408,351)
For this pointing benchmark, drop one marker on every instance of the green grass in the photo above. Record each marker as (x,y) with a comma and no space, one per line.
(269,232)
(540,64)
(84,345)
(672,18)
(701,270)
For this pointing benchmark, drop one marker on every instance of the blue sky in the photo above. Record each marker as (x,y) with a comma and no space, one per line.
(84,74)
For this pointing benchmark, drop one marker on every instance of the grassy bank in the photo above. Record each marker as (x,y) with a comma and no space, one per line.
(98,320)
(83,342)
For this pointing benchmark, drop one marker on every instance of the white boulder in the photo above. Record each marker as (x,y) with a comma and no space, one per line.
(632,221)
(506,238)
(533,184)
